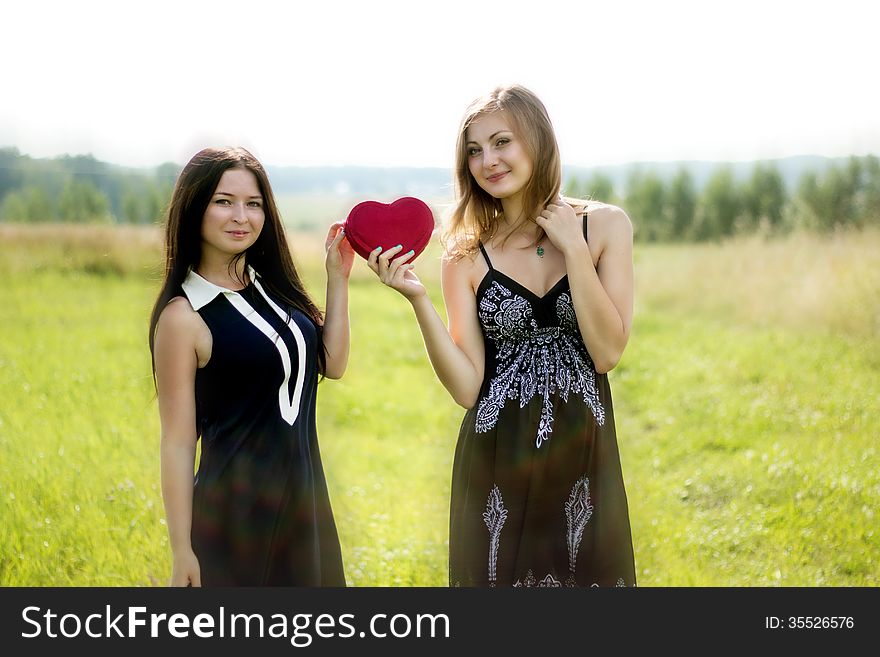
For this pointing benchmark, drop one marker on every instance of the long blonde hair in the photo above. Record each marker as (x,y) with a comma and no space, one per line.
(477,213)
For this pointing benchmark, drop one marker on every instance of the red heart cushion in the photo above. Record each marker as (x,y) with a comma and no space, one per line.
(407,221)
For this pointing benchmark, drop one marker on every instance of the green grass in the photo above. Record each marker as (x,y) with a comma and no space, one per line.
(79,487)
(750,454)
(749,448)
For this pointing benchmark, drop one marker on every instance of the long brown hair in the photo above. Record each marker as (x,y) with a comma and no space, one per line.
(269,255)
(477,213)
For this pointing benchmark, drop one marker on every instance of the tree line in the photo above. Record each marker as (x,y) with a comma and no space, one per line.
(82,189)
(846,195)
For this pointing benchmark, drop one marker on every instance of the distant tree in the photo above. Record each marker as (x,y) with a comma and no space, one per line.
(855,176)
(718,207)
(572,187)
(82,202)
(167,174)
(681,202)
(764,198)
(599,188)
(10,171)
(645,203)
(811,202)
(154,204)
(14,207)
(85,167)
(29,205)
(847,192)
(871,198)
(132,207)
(833,198)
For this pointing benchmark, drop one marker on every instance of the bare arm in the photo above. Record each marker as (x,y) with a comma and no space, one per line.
(602,296)
(456,353)
(176,364)
(337,331)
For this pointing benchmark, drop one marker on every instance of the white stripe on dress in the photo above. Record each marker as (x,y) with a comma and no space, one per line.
(289,405)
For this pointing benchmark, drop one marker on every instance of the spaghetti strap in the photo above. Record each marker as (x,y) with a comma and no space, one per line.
(585,226)
(486,256)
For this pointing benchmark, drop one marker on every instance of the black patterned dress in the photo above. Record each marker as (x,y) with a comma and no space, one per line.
(537,490)
(261,513)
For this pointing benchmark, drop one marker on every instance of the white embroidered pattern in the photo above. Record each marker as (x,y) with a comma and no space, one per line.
(529,581)
(578,511)
(534,360)
(549,582)
(495,515)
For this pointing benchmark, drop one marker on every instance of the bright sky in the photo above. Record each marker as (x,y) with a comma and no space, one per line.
(384,83)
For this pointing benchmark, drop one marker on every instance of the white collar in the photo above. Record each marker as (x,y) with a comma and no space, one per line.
(201,291)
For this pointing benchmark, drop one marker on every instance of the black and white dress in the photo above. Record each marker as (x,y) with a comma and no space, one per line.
(537,490)
(261,513)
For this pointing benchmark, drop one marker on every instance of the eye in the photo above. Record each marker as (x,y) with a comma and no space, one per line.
(473,150)
(255,204)
(222,201)
(502,141)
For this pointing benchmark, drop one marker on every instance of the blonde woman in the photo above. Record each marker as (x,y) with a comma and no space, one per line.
(539,299)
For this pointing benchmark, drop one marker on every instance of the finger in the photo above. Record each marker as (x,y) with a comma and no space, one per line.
(400,260)
(332,231)
(391,268)
(338,238)
(386,257)
(542,221)
(402,271)
(373,260)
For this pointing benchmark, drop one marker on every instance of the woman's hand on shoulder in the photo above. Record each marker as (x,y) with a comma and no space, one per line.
(564,228)
(394,270)
(340,254)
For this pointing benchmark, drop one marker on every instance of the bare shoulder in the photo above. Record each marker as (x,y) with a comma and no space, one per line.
(464,269)
(608,223)
(178,319)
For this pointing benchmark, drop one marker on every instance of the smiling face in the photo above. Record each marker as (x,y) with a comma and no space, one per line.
(234,217)
(496,156)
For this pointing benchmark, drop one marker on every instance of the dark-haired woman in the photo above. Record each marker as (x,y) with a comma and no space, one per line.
(238,347)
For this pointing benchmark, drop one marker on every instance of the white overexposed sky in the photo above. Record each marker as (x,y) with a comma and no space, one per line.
(384,83)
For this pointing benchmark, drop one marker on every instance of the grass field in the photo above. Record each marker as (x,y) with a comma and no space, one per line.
(747,410)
